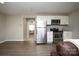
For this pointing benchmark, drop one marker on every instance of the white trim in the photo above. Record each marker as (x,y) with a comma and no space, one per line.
(2,42)
(39,1)
(15,40)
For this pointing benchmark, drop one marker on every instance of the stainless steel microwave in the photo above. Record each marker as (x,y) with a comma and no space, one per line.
(55,22)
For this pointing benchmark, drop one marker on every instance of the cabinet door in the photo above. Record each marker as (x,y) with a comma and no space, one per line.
(64,20)
(48,20)
(49,37)
(55,17)
(41,21)
(67,35)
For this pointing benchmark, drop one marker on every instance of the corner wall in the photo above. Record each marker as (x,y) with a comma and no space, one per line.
(2,28)
(74,23)
(14,28)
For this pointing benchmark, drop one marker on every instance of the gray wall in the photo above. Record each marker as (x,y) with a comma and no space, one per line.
(11,28)
(74,23)
(14,28)
(2,28)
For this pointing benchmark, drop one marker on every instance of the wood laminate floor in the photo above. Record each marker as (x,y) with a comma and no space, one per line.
(21,48)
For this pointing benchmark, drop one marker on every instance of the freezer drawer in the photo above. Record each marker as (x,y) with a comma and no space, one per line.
(41,35)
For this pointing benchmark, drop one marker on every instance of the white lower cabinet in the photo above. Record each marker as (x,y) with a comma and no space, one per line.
(67,35)
(49,36)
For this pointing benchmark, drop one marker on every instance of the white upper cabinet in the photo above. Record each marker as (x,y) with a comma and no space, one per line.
(49,18)
(64,20)
(41,21)
(55,17)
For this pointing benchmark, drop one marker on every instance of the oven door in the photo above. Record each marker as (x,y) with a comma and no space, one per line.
(57,36)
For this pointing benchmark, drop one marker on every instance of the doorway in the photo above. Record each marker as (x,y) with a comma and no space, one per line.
(29,29)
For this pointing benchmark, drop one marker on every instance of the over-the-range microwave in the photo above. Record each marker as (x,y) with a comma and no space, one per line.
(55,21)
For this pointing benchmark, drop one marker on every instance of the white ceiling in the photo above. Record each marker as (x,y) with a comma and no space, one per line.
(17,8)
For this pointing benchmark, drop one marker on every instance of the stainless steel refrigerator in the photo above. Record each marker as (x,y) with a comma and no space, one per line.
(41,30)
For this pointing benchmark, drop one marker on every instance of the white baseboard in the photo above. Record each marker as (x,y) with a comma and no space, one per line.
(10,40)
(14,40)
(2,42)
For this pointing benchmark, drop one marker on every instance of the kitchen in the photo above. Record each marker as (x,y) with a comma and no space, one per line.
(53,22)
(52,29)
